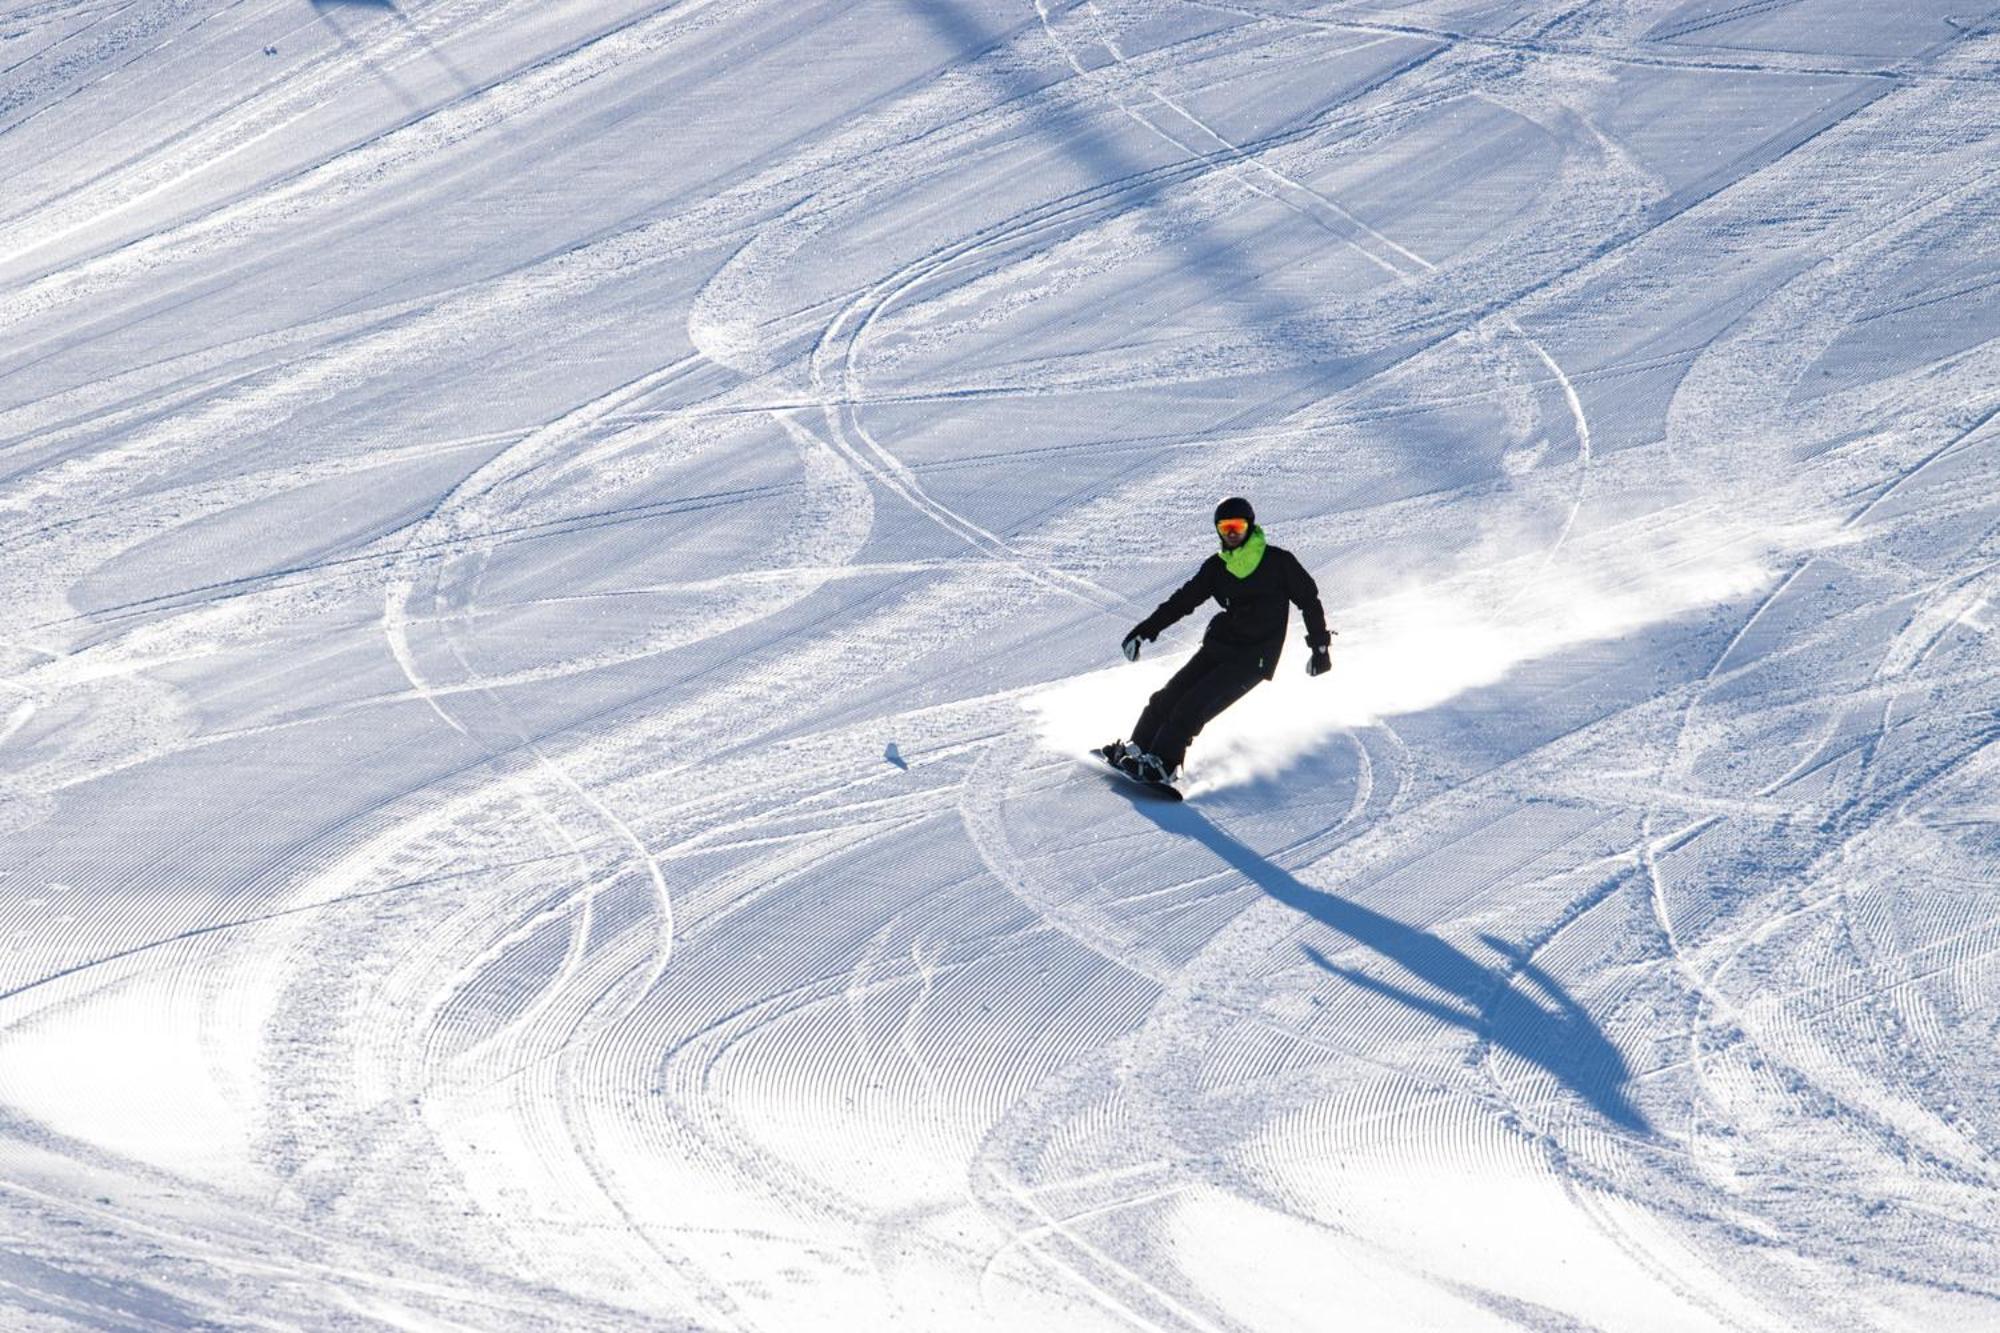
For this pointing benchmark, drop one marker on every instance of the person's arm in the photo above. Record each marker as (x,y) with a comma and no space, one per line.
(1181,602)
(1299,586)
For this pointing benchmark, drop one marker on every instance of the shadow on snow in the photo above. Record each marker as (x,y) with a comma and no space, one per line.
(1553,1032)
(1145,181)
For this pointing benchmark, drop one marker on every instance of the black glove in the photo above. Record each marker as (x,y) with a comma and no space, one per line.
(1131,644)
(1320,663)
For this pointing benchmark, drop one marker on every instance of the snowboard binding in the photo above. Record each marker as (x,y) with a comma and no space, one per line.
(1141,767)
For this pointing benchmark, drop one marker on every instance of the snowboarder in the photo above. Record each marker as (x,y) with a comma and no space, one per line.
(1253,581)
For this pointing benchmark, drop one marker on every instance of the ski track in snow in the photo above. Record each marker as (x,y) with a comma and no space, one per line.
(563,562)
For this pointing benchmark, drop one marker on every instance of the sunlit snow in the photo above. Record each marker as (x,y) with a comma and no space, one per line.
(564,561)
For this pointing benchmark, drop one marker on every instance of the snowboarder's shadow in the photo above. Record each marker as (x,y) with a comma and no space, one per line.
(1552,1032)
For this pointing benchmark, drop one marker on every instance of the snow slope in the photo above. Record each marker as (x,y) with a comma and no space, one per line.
(560,559)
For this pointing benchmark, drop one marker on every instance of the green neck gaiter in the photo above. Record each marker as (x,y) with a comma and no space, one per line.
(1243,561)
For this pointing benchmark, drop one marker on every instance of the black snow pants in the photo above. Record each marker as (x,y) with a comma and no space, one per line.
(1213,679)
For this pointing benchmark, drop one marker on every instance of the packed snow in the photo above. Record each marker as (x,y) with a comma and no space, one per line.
(564,559)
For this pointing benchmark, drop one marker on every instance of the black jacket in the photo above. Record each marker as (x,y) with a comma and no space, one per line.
(1254,610)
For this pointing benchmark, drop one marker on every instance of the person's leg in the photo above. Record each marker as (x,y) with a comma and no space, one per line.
(1202,702)
(1160,707)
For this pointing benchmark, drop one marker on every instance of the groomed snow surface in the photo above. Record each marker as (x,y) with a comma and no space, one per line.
(562,558)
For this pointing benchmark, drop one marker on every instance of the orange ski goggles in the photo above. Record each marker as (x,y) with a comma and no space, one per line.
(1233,527)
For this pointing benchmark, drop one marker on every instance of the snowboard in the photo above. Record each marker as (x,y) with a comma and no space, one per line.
(1165,791)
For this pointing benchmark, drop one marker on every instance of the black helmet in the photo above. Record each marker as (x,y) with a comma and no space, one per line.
(1235,507)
